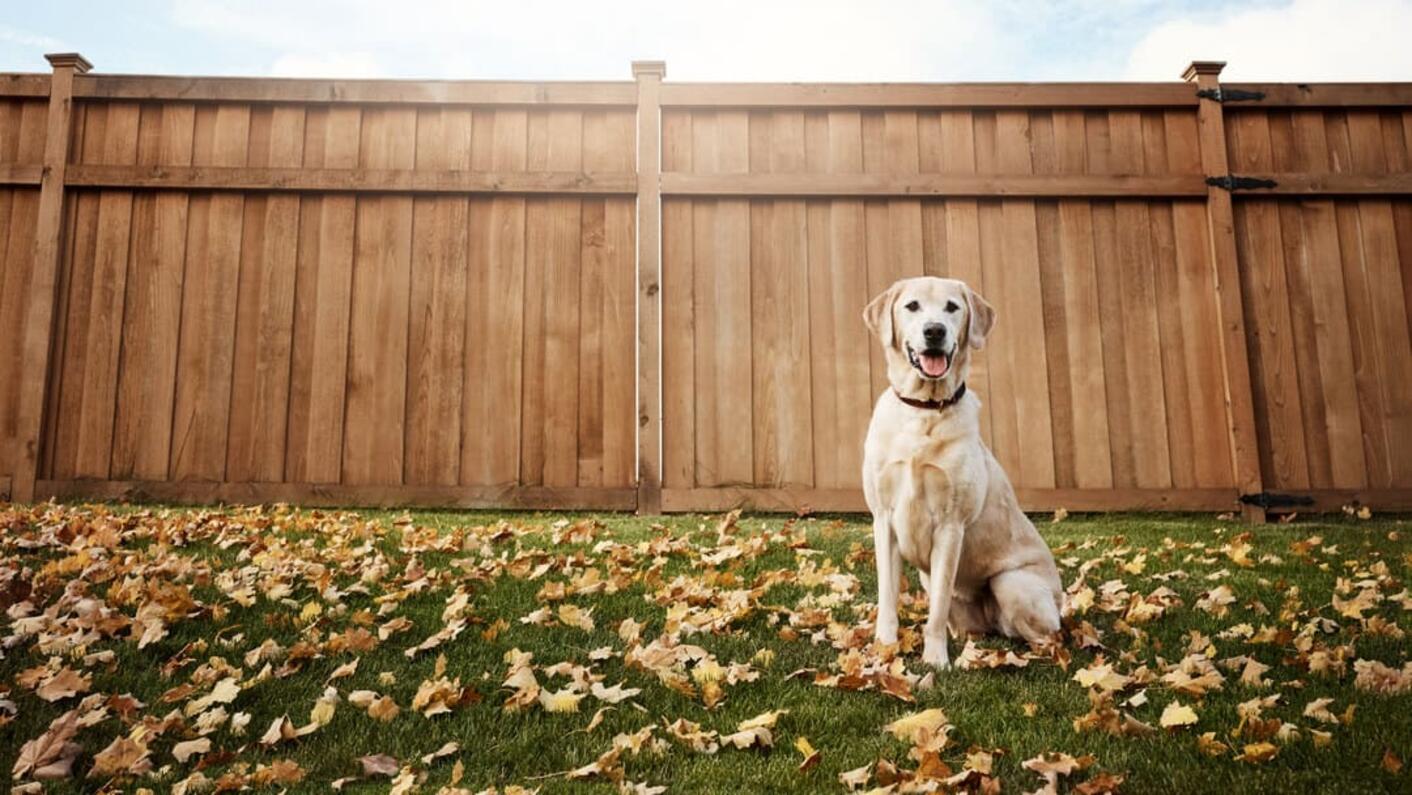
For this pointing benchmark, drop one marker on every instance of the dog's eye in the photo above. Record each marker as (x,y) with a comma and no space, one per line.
(913,306)
(952,306)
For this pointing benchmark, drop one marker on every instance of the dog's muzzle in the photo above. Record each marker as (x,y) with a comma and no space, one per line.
(932,363)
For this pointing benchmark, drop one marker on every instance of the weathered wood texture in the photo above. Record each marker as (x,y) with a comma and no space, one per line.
(1327,284)
(1099,375)
(357,337)
(459,293)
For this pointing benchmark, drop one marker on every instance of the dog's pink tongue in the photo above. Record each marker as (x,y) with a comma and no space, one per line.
(934,366)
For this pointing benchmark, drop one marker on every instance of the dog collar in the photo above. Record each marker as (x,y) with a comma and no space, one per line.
(938,405)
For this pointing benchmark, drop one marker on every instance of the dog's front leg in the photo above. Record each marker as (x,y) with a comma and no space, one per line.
(889,559)
(946,556)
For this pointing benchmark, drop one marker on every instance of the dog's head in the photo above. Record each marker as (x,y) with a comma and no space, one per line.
(927,327)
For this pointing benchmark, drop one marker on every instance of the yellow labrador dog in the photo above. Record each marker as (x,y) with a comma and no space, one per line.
(939,499)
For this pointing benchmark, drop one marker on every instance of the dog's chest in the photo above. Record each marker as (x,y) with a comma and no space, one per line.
(930,480)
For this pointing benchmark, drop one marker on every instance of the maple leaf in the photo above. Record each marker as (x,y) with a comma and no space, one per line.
(51,754)
(1318,709)
(755,731)
(857,777)
(1217,601)
(565,700)
(615,694)
(811,754)
(379,765)
(1102,676)
(183,751)
(280,729)
(1051,766)
(1255,753)
(1177,714)
(1208,744)
(692,735)
(444,751)
(64,683)
(1376,677)
(1391,762)
(123,756)
(918,727)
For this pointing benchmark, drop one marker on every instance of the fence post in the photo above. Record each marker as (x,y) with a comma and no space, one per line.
(1220,220)
(38,330)
(648,75)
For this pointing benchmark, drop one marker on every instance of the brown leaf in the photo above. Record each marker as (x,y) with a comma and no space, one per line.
(185,750)
(123,756)
(65,683)
(379,765)
(49,747)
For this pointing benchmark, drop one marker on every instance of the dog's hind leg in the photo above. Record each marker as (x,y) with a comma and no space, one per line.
(972,616)
(1025,605)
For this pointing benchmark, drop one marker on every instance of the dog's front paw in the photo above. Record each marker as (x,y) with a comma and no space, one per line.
(934,654)
(885,632)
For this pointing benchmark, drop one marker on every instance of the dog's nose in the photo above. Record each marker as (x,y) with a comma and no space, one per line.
(934,333)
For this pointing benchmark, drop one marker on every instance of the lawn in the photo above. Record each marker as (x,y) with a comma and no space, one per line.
(194,650)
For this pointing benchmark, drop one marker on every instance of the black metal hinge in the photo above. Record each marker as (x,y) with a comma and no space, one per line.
(1269,499)
(1234,182)
(1224,95)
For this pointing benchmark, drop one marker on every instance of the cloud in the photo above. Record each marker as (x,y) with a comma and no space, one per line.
(726,40)
(1303,41)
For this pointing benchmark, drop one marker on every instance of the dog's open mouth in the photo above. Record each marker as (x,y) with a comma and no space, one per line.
(931,362)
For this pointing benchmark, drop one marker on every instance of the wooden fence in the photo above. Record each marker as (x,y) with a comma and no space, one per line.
(648,295)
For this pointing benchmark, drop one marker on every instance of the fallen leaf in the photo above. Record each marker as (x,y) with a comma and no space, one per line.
(185,750)
(379,765)
(1177,714)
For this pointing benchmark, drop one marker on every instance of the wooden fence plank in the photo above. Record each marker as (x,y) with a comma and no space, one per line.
(436,339)
(357,92)
(495,343)
(156,269)
(781,411)
(105,308)
(341,180)
(264,325)
(322,305)
(201,416)
(883,185)
(375,417)
(924,95)
(679,312)
(724,443)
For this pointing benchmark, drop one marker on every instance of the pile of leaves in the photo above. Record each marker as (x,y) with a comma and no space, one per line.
(198,651)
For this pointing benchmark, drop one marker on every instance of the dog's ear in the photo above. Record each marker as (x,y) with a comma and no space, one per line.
(982,318)
(878,315)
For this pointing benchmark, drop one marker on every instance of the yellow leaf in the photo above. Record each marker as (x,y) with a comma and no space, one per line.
(563,701)
(1177,714)
(1255,753)
(915,727)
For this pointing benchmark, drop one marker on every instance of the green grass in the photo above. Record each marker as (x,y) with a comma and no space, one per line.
(500,748)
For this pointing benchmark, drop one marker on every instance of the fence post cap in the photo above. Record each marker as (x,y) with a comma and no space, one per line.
(73,60)
(1198,68)
(641,69)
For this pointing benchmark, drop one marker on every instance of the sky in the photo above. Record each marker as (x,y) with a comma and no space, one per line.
(734,40)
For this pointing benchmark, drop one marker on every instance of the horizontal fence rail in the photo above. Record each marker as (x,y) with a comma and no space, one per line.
(646,295)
